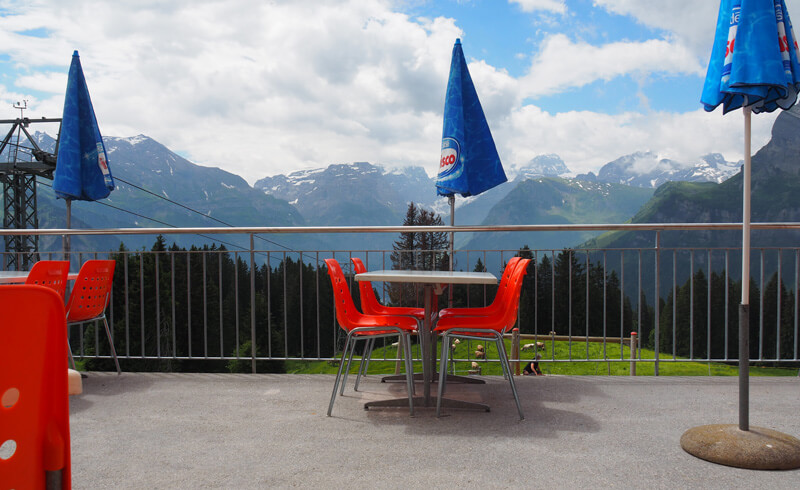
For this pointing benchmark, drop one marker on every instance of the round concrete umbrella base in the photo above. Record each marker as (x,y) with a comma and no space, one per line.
(757,448)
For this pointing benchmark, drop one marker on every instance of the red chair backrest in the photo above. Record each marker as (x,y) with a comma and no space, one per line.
(51,274)
(513,293)
(503,286)
(92,290)
(369,303)
(34,410)
(346,313)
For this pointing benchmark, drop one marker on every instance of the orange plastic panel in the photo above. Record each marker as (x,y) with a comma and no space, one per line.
(34,407)
(91,291)
(51,274)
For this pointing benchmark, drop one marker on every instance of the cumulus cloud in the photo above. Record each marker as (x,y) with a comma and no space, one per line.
(562,64)
(254,87)
(690,21)
(260,88)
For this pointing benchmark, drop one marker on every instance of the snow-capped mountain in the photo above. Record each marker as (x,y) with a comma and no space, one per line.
(146,174)
(351,194)
(549,165)
(646,169)
(357,193)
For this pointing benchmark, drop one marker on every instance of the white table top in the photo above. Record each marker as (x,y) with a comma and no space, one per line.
(429,277)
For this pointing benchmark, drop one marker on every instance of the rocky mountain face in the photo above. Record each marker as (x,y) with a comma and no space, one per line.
(356,194)
(646,169)
(216,196)
(351,194)
(549,165)
(365,194)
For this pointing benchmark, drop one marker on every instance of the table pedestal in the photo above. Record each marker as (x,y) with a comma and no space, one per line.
(421,401)
(428,348)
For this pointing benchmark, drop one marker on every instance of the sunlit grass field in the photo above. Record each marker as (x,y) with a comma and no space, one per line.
(560,351)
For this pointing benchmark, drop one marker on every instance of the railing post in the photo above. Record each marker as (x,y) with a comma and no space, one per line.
(252,302)
(633,353)
(657,300)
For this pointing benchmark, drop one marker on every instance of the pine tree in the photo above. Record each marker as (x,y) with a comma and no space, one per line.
(417,251)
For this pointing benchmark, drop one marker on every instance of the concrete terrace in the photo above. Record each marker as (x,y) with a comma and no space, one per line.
(271,431)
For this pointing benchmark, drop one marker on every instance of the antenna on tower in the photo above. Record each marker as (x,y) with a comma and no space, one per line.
(21,106)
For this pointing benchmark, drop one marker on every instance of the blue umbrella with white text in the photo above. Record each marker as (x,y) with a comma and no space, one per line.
(469,162)
(82,171)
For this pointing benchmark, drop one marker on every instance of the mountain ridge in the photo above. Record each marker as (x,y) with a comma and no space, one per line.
(362,193)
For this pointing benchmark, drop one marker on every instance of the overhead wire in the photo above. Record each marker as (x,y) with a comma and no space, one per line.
(188,208)
(203,214)
(213,239)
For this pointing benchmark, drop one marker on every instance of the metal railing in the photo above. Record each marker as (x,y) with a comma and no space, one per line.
(210,308)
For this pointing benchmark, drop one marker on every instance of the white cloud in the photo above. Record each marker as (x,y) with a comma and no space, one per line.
(588,140)
(262,88)
(562,64)
(691,21)
(254,87)
(555,6)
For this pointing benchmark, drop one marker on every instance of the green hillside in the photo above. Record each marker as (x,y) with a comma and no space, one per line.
(554,200)
(775,197)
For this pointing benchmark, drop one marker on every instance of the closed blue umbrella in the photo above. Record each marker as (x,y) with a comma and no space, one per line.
(753,66)
(469,161)
(82,172)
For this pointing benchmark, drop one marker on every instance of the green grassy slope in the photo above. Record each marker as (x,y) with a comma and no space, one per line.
(561,353)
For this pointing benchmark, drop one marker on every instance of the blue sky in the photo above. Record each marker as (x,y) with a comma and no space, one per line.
(260,88)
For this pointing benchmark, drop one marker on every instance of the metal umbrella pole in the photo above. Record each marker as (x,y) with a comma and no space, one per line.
(67,239)
(744,307)
(452,200)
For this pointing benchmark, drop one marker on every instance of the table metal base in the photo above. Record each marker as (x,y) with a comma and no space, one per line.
(420,402)
(451,378)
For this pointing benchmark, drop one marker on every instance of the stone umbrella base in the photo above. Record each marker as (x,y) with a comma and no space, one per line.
(757,448)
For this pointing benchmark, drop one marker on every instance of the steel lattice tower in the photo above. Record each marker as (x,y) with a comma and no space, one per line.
(21,161)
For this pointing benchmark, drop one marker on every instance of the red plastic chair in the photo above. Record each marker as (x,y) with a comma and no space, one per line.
(371,306)
(366,327)
(489,328)
(90,297)
(34,410)
(50,273)
(492,308)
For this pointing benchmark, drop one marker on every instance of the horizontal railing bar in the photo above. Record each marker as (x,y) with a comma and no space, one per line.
(567,338)
(399,229)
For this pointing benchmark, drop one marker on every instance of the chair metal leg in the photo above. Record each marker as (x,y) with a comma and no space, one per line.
(354,341)
(111,343)
(406,348)
(364,366)
(507,367)
(69,352)
(442,373)
(406,339)
(368,355)
(338,375)
(71,359)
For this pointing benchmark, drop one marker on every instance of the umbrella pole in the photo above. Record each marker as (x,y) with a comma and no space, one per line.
(66,239)
(744,307)
(452,200)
